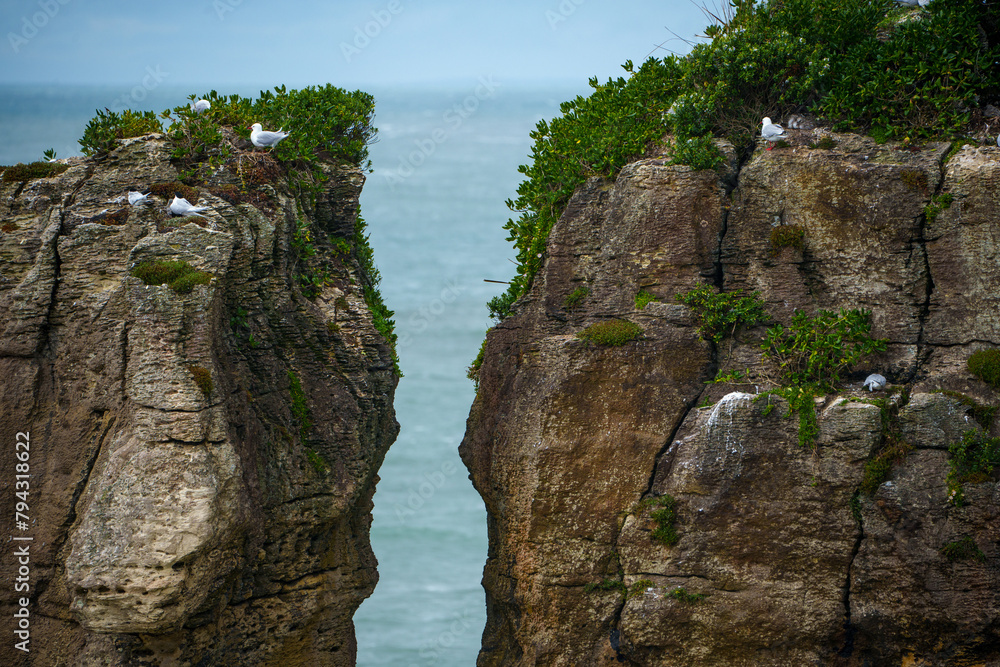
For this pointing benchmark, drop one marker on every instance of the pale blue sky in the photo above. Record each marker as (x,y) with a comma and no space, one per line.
(219,43)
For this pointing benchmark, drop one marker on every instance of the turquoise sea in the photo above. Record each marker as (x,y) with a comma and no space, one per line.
(445,162)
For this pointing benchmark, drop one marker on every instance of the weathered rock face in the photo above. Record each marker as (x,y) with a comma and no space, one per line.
(202,464)
(780,560)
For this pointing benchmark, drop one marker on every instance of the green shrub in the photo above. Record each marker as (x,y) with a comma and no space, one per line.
(725,313)
(370,280)
(611,333)
(576,297)
(203,378)
(814,351)
(26,172)
(108,126)
(971,461)
(180,276)
(643,299)
(985,365)
(665,516)
(963,549)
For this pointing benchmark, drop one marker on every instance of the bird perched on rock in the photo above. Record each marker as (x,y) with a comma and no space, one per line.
(914,3)
(874,382)
(181,206)
(200,105)
(771,132)
(264,139)
(136,198)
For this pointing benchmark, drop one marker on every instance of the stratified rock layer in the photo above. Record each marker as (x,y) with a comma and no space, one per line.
(780,560)
(202,463)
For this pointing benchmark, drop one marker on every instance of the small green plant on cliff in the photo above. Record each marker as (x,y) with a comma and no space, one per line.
(643,299)
(300,405)
(963,549)
(721,314)
(473,371)
(203,378)
(180,276)
(985,365)
(108,126)
(370,280)
(971,461)
(319,464)
(915,180)
(682,595)
(607,585)
(576,297)
(611,333)
(893,448)
(26,172)
(787,236)
(938,203)
(664,513)
(639,587)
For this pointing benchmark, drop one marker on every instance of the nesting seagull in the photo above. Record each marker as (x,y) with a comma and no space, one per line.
(874,382)
(264,139)
(771,132)
(200,105)
(181,206)
(136,198)
(914,3)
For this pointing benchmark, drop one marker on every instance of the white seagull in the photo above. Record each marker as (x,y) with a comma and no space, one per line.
(874,382)
(136,198)
(200,105)
(263,139)
(181,206)
(771,132)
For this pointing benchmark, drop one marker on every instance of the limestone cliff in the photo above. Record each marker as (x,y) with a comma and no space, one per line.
(780,560)
(202,456)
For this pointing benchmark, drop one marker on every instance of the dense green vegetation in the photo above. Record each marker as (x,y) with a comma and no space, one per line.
(985,365)
(325,123)
(864,65)
(971,460)
(721,314)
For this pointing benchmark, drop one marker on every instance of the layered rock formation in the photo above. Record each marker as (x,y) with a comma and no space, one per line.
(202,459)
(780,560)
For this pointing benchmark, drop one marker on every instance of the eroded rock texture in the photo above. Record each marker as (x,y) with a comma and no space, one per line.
(573,446)
(179,521)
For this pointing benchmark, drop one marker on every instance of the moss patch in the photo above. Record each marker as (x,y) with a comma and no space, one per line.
(643,299)
(167,191)
(203,378)
(787,236)
(576,297)
(963,549)
(985,365)
(180,276)
(611,333)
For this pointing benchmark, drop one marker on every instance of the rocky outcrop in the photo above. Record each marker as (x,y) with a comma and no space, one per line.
(778,559)
(202,460)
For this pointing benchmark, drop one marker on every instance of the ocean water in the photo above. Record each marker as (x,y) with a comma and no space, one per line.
(445,162)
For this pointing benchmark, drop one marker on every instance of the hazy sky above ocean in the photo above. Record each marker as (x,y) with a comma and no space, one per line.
(351,44)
